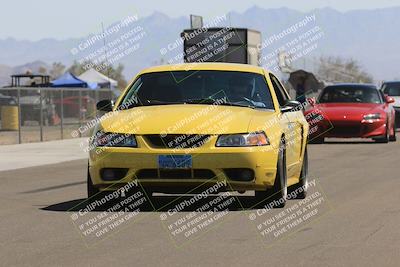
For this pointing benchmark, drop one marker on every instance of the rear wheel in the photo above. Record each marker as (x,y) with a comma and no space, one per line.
(317,140)
(278,194)
(301,187)
(392,137)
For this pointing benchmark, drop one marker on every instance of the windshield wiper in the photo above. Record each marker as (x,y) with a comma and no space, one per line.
(158,102)
(255,103)
(237,105)
(208,101)
(200,101)
(150,103)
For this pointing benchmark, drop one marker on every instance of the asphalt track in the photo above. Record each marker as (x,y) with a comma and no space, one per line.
(359,180)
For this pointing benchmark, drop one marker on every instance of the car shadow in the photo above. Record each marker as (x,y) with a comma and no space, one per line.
(158,204)
(345,142)
(166,203)
(331,142)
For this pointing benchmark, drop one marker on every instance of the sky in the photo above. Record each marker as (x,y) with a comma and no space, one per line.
(34,20)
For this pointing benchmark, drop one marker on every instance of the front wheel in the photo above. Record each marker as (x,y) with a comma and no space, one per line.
(300,189)
(278,194)
(385,138)
(91,190)
(317,140)
(392,137)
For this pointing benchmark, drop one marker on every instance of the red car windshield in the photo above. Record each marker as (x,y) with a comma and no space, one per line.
(350,94)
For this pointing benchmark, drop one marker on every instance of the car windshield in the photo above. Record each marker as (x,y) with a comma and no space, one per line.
(349,94)
(392,89)
(200,87)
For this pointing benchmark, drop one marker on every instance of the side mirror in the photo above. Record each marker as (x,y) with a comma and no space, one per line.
(389,100)
(105,105)
(311,101)
(292,106)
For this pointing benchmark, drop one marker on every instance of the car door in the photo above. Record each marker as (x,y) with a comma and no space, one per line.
(294,128)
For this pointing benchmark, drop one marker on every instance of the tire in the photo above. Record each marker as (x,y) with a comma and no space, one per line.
(393,138)
(278,194)
(317,140)
(384,139)
(302,185)
(91,190)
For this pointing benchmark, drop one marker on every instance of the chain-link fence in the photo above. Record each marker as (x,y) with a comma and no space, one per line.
(44,114)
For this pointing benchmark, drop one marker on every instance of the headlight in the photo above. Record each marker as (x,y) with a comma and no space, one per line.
(374,116)
(115,140)
(237,140)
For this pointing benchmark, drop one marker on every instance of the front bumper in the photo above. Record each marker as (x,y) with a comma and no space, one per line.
(261,160)
(349,129)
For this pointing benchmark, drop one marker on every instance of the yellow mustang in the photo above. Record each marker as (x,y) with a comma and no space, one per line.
(178,128)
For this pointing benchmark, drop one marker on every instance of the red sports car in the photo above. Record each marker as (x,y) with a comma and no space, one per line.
(351,110)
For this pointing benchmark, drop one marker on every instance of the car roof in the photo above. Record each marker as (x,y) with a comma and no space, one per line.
(206,66)
(389,82)
(354,85)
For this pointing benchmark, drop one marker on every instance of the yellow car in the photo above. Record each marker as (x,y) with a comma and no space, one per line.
(178,128)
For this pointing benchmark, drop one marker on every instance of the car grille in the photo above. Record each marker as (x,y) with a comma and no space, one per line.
(177,141)
(175,174)
(345,131)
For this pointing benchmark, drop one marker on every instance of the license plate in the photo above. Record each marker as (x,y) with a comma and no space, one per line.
(174,161)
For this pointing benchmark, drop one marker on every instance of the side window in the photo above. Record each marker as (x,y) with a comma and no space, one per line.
(133,90)
(385,89)
(281,93)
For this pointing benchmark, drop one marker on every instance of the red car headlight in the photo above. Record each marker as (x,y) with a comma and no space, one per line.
(374,116)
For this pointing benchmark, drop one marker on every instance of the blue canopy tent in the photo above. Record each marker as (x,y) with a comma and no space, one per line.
(70,80)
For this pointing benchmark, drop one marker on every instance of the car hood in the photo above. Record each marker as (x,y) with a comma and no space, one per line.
(184,119)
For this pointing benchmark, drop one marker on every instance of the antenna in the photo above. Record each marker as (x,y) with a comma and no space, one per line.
(105,55)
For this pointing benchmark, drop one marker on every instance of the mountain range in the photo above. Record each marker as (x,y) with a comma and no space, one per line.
(370,36)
